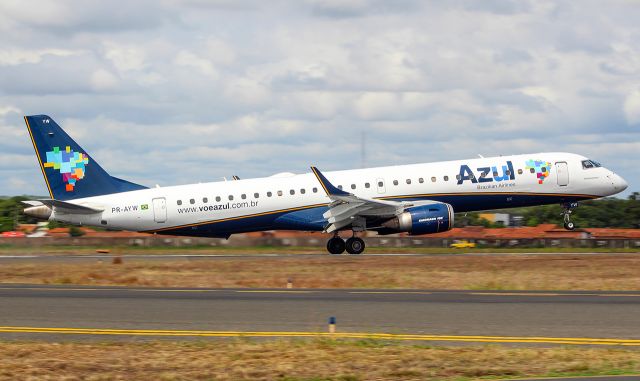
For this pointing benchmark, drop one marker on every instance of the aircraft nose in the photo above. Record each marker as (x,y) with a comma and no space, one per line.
(619,184)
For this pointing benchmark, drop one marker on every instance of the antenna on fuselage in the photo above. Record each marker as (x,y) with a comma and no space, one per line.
(480,156)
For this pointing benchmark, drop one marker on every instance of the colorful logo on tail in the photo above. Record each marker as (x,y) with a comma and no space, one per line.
(70,164)
(540,168)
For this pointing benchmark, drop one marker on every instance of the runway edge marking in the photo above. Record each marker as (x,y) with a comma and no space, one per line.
(344,335)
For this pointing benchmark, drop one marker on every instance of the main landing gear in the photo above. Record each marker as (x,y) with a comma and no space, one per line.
(568,224)
(353,245)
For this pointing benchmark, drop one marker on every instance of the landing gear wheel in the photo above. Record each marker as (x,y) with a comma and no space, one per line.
(335,246)
(567,215)
(355,245)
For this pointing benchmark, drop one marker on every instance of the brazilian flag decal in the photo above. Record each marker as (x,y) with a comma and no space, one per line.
(144,207)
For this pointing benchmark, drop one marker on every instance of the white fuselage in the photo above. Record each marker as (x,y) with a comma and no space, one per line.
(296,201)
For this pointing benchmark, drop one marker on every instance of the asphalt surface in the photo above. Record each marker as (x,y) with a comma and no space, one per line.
(435,315)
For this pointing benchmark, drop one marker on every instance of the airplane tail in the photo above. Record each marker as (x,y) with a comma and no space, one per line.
(68,170)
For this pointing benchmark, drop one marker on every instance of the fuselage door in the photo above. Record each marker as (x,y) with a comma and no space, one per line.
(160,209)
(380,186)
(563,173)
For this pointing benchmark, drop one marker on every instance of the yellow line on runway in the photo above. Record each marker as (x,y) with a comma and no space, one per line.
(344,335)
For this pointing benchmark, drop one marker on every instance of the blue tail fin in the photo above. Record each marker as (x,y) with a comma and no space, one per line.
(68,171)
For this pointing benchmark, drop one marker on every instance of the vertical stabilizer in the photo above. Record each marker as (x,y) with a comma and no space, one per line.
(68,170)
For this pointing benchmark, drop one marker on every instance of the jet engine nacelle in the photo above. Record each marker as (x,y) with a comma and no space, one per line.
(425,219)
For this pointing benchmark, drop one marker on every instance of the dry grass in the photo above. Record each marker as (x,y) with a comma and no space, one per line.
(517,272)
(299,360)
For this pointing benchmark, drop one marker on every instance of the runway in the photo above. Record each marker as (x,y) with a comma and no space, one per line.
(86,313)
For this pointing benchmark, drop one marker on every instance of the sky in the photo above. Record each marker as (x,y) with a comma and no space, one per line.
(172,92)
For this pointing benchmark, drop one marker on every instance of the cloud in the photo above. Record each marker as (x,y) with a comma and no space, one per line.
(125,57)
(14,57)
(632,107)
(192,60)
(103,80)
(228,87)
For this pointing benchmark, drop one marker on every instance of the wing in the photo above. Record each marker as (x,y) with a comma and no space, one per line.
(348,209)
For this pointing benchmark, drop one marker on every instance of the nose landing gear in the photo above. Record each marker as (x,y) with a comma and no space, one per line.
(337,245)
(568,224)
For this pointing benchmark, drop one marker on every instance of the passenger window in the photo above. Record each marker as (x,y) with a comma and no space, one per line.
(458,177)
(433,179)
(395,182)
(367,185)
(243,196)
(315,190)
(409,181)
(340,187)
(353,186)
(421,180)
(380,184)
(192,201)
(230,198)
(179,202)
(495,174)
(256,195)
(218,198)
(269,194)
(292,192)
(508,173)
(532,170)
(279,193)
(205,200)
(302,191)
(483,175)
(446,178)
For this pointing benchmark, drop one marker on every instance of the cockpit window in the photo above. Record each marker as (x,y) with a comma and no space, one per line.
(586,164)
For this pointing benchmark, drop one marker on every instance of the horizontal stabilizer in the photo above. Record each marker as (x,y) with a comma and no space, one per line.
(68,207)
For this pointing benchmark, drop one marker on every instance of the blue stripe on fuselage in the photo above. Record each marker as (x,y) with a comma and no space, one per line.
(311,219)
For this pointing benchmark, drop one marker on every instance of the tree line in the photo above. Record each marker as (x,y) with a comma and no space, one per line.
(608,212)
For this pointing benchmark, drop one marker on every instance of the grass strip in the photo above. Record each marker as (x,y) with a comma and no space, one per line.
(315,359)
(513,272)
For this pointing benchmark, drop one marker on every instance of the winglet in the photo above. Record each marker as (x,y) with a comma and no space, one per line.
(327,186)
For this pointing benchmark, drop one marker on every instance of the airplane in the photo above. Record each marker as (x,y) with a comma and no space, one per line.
(416,199)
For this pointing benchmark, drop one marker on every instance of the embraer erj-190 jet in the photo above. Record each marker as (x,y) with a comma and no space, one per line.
(416,198)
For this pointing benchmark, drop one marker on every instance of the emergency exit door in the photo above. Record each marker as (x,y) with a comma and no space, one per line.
(160,209)
(563,173)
